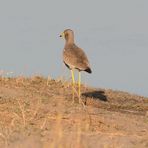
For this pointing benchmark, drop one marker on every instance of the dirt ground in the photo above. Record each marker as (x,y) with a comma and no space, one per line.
(39,113)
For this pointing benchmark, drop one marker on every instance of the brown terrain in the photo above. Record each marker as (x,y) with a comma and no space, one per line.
(39,113)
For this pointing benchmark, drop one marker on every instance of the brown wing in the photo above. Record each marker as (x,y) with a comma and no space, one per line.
(75,57)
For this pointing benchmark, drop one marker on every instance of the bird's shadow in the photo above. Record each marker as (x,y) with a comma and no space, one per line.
(96,95)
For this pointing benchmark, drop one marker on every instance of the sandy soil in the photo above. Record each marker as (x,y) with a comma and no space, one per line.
(36,113)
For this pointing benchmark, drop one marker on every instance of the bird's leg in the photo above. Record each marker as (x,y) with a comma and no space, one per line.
(79,87)
(73,84)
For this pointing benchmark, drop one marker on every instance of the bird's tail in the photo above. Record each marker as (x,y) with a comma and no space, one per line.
(88,70)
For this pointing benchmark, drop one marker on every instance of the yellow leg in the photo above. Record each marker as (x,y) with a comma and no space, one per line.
(73,83)
(79,87)
(73,77)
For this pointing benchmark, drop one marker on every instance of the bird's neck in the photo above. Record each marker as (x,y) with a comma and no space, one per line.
(70,41)
(69,45)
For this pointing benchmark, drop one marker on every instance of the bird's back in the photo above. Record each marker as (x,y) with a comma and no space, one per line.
(75,57)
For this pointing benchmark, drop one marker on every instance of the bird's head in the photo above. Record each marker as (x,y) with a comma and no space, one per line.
(68,34)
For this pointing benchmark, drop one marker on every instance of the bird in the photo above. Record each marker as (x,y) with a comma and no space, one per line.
(74,58)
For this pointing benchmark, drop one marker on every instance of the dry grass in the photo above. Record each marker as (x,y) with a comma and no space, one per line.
(37,112)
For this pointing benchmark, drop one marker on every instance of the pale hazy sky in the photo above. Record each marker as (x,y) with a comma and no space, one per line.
(113,33)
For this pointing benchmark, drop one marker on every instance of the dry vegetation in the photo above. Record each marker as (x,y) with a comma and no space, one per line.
(38,113)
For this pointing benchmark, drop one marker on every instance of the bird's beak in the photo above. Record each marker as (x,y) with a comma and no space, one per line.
(62,35)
